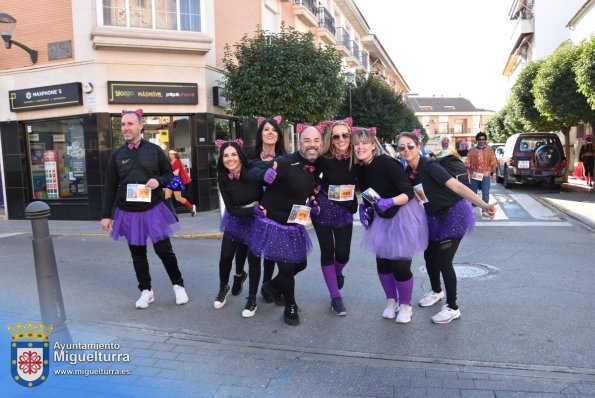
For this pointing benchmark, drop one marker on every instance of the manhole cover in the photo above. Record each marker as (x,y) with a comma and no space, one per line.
(470,270)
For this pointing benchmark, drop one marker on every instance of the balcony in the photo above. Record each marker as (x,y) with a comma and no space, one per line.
(522,28)
(364,60)
(306,11)
(353,60)
(326,27)
(343,44)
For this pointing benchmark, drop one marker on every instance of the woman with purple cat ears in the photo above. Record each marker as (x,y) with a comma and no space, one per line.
(334,223)
(396,226)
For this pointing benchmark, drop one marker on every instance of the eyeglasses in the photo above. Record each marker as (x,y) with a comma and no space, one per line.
(481,139)
(401,148)
(337,137)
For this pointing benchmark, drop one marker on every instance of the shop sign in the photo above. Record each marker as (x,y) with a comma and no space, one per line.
(30,99)
(152,93)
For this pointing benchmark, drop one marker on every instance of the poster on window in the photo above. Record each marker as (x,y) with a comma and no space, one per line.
(50,160)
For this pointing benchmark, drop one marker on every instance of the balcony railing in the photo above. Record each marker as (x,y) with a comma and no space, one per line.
(309,4)
(355,49)
(326,20)
(343,37)
(364,59)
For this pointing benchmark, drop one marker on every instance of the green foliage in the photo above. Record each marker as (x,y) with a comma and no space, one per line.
(376,104)
(584,69)
(283,74)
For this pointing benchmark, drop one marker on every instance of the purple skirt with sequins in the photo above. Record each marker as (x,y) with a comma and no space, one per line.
(176,184)
(331,214)
(455,224)
(156,224)
(398,237)
(236,228)
(278,242)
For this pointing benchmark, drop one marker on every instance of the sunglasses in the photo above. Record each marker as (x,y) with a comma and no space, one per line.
(481,139)
(337,137)
(401,148)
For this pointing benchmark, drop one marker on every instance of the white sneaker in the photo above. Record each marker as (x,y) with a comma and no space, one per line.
(181,296)
(390,310)
(446,315)
(146,298)
(193,211)
(431,298)
(404,315)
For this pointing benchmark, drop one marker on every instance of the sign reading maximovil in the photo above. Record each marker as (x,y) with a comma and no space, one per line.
(30,99)
(152,93)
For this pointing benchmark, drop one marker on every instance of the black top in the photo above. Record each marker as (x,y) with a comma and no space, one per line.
(292,186)
(137,166)
(433,176)
(337,172)
(387,177)
(238,193)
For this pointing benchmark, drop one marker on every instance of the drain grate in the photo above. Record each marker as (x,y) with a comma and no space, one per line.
(470,270)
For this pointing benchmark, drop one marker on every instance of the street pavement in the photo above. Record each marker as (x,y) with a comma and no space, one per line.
(499,348)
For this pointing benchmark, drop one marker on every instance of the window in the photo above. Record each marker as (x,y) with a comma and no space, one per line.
(57,159)
(180,15)
(443,128)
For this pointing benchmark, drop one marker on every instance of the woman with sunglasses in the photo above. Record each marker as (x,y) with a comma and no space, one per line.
(396,226)
(240,196)
(334,223)
(269,144)
(450,217)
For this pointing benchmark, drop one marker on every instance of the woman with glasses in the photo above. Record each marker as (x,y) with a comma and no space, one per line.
(449,216)
(395,225)
(337,202)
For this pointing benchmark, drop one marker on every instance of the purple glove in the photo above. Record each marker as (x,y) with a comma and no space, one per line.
(259,211)
(315,210)
(271,174)
(383,204)
(365,216)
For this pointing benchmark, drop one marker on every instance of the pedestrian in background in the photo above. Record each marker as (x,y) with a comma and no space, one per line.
(276,234)
(481,167)
(135,171)
(179,182)
(449,216)
(334,224)
(395,226)
(240,196)
(586,156)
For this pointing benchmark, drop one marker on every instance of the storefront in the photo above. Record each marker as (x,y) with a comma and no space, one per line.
(62,160)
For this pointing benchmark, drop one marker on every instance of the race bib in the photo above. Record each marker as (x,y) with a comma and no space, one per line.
(370,195)
(138,193)
(341,193)
(477,176)
(420,194)
(299,215)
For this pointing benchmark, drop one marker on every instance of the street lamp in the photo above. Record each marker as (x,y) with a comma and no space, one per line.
(7,25)
(350,81)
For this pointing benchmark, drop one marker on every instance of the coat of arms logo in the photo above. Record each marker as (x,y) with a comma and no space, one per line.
(29,353)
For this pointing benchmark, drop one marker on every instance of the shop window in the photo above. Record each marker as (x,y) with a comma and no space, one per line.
(180,15)
(57,159)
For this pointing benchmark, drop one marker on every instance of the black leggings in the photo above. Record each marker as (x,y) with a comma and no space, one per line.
(439,256)
(268,265)
(588,167)
(335,243)
(285,279)
(228,249)
(401,269)
(166,253)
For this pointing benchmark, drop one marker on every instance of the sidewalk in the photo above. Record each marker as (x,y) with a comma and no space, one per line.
(576,200)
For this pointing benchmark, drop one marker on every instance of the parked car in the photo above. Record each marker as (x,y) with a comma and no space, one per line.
(498,149)
(529,157)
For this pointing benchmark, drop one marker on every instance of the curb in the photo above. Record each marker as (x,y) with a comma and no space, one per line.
(576,188)
(569,215)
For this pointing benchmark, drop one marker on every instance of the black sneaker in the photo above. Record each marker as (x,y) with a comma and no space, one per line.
(337,306)
(266,297)
(291,315)
(269,290)
(340,281)
(238,281)
(221,299)
(250,308)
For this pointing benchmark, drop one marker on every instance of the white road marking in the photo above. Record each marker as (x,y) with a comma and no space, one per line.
(523,224)
(534,208)
(10,234)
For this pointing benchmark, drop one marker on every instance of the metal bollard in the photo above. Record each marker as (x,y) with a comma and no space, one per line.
(46,271)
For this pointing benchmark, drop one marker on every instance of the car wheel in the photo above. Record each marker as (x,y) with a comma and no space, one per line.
(506,179)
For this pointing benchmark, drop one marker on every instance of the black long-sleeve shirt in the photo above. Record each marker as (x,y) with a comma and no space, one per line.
(137,166)
(292,186)
(239,193)
(337,172)
(387,177)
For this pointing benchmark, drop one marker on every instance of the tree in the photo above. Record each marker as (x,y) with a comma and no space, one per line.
(376,104)
(556,94)
(584,69)
(283,74)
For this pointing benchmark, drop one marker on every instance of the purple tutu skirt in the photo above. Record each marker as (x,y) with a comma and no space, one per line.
(176,184)
(455,224)
(399,237)
(271,240)
(331,214)
(156,223)
(236,228)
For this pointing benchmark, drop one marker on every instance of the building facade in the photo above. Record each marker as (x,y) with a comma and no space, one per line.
(60,116)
